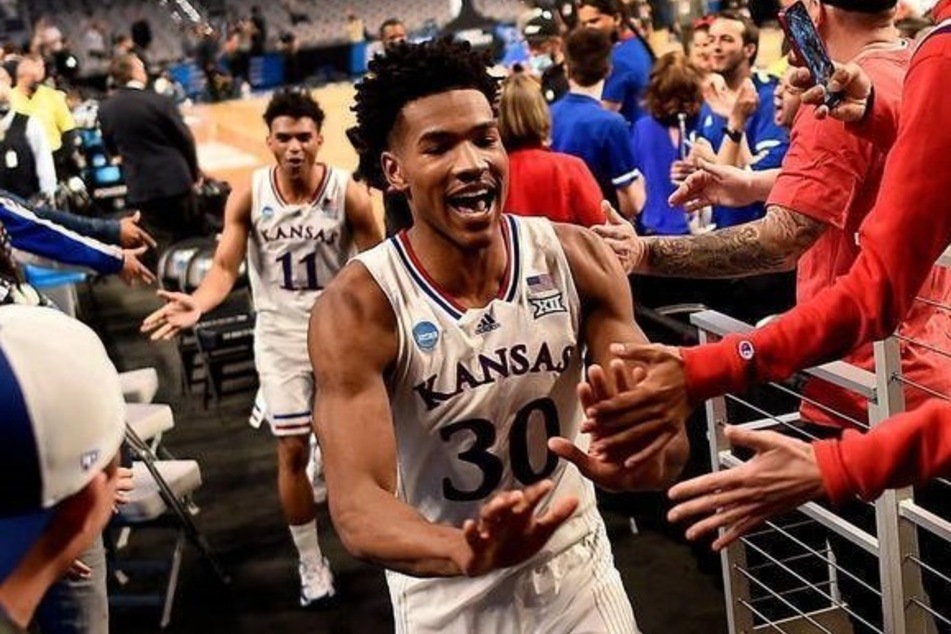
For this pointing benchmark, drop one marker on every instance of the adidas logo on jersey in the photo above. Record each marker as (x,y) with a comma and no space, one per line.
(487,324)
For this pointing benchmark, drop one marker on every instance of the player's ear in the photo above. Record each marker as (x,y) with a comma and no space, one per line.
(393,171)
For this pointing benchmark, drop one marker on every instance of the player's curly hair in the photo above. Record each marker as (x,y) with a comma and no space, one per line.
(294,103)
(408,72)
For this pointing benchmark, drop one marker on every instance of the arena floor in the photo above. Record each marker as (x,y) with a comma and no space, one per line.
(240,515)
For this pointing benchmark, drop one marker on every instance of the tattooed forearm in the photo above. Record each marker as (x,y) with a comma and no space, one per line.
(769,245)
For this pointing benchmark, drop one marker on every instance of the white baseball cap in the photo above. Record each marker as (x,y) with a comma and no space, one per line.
(62,415)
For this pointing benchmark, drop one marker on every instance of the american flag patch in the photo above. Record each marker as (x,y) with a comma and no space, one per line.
(541,283)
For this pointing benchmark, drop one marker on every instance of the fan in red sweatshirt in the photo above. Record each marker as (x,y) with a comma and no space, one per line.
(900,239)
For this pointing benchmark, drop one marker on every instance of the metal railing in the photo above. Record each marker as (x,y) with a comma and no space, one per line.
(769,576)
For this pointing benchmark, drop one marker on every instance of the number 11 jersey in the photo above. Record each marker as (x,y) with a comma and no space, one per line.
(294,250)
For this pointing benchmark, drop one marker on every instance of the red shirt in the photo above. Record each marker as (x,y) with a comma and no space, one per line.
(907,230)
(833,176)
(558,186)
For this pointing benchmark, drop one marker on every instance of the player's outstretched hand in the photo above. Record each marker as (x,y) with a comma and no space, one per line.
(178,313)
(714,184)
(619,234)
(848,79)
(622,458)
(133,269)
(780,477)
(639,416)
(507,531)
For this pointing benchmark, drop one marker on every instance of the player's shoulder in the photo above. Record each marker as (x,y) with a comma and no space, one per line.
(352,325)
(352,297)
(582,247)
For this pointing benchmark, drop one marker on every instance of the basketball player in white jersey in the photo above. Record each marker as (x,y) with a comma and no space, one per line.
(443,422)
(298,223)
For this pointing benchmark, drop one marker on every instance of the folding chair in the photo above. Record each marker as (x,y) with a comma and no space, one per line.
(225,343)
(161,499)
(139,386)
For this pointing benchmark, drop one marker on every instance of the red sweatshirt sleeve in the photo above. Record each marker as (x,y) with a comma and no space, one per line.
(910,448)
(900,240)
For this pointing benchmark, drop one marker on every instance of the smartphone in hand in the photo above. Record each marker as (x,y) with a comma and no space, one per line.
(809,47)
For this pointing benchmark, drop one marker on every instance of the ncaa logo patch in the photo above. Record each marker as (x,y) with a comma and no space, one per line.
(267,212)
(746,350)
(426,335)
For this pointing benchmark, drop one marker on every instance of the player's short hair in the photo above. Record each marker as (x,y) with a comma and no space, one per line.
(409,72)
(589,56)
(296,104)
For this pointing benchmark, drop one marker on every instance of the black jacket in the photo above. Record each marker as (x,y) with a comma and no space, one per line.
(157,148)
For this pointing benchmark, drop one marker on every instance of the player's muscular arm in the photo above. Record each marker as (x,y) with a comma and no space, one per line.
(229,253)
(367,232)
(608,317)
(182,311)
(771,244)
(355,428)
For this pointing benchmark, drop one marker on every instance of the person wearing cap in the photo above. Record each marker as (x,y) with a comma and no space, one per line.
(543,36)
(62,425)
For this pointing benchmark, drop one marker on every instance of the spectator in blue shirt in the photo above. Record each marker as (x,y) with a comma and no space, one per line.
(631,58)
(738,121)
(582,127)
(658,140)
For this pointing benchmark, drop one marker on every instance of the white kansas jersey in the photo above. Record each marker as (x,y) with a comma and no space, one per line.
(477,393)
(295,250)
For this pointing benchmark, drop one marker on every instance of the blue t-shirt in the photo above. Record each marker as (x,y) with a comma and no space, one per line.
(631,65)
(768,142)
(655,151)
(599,137)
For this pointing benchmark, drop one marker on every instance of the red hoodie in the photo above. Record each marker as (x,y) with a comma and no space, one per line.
(900,239)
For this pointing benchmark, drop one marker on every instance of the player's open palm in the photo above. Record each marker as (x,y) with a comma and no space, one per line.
(508,531)
(180,312)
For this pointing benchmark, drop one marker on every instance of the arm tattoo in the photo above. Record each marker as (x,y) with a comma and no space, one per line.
(768,245)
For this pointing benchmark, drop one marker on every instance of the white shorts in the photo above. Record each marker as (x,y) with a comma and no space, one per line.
(578,591)
(286,395)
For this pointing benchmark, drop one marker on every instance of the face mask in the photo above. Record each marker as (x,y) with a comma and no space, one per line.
(540,63)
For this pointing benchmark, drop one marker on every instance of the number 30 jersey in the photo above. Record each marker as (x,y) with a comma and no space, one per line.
(295,250)
(476,393)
